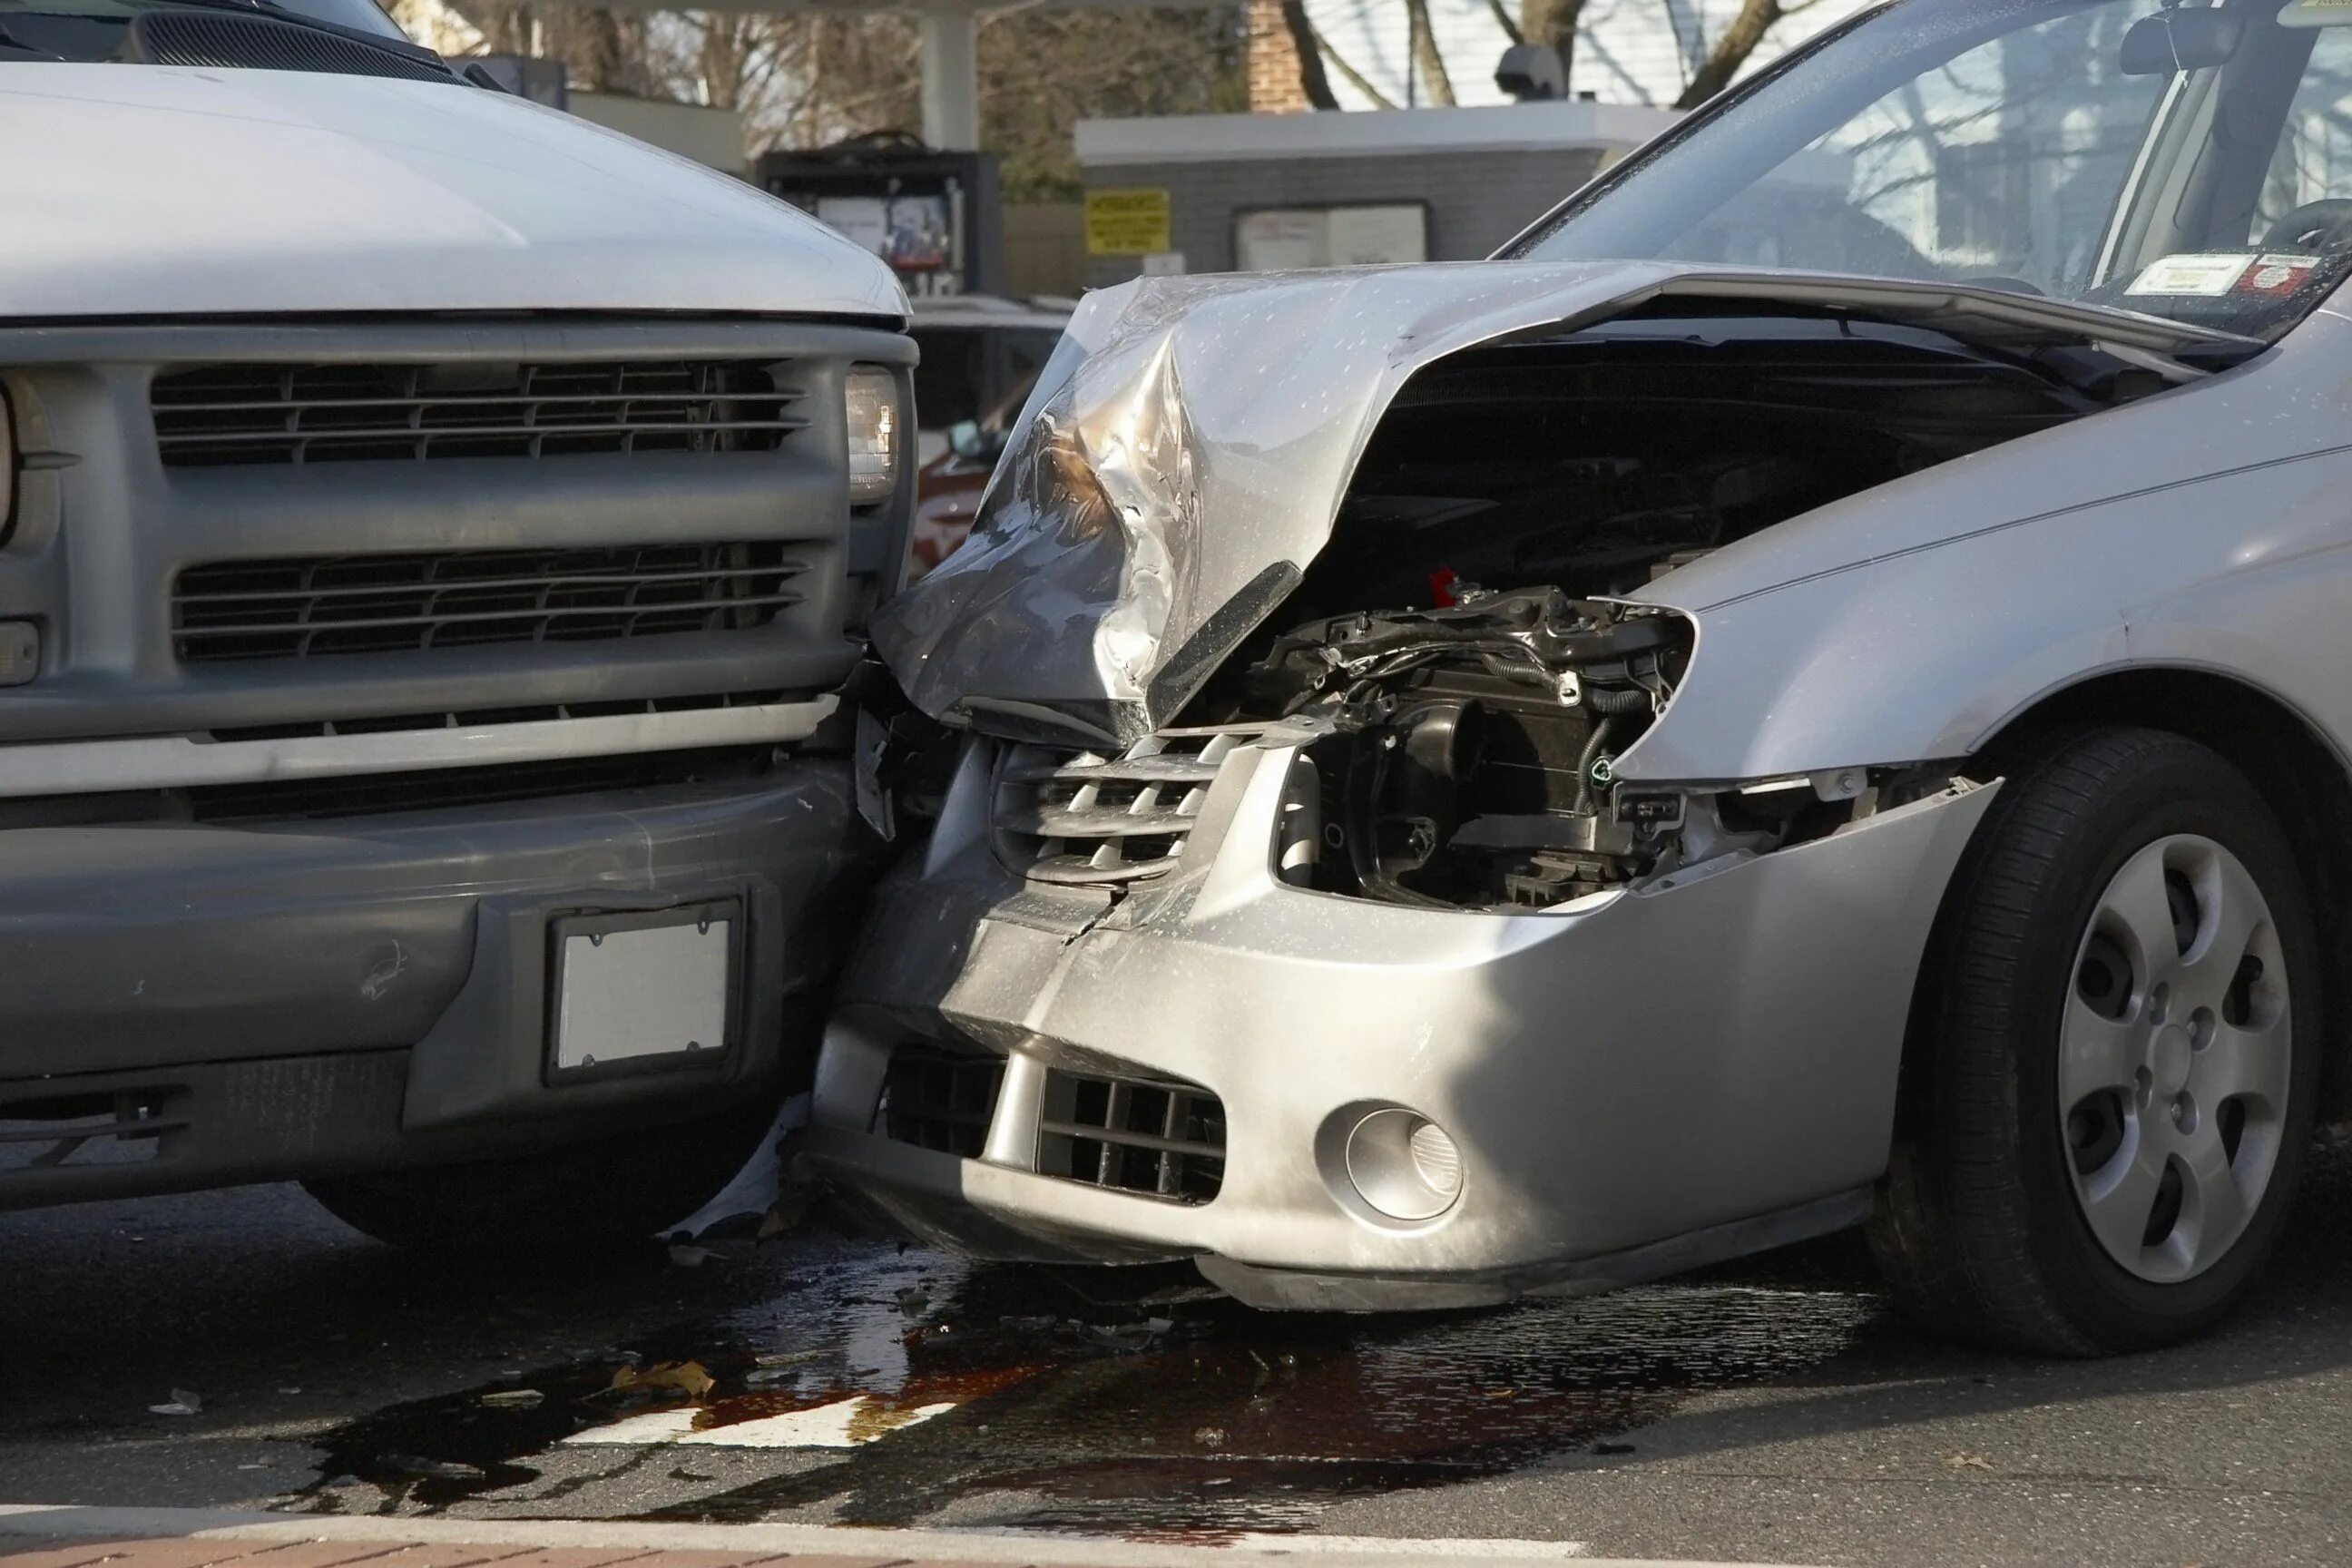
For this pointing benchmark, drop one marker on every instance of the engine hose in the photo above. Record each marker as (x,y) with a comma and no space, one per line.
(1591,754)
(1632,700)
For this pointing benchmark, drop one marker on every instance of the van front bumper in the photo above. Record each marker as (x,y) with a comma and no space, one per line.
(318,998)
(1700,1068)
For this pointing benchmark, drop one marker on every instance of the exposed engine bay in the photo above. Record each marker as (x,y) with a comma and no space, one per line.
(1459,643)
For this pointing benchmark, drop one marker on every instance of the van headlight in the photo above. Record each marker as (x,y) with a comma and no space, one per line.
(872,396)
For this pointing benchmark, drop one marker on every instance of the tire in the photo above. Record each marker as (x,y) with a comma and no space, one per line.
(2008,1215)
(615,1192)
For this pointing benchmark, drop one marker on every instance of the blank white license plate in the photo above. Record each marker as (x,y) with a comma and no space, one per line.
(637,991)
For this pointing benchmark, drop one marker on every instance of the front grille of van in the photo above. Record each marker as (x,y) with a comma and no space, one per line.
(232,414)
(1153,1136)
(311,606)
(445,789)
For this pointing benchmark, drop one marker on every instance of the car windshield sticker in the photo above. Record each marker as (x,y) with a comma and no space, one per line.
(2272,276)
(2209,274)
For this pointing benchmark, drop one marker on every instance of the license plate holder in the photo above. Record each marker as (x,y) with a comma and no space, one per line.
(643,990)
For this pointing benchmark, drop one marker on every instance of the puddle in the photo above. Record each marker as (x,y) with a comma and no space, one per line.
(894,1386)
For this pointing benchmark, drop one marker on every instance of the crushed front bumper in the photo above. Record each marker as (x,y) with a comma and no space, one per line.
(1699,1068)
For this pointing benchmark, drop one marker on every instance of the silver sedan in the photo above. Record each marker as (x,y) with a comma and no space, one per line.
(1812,691)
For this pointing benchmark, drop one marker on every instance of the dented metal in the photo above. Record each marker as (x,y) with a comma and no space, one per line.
(1183,457)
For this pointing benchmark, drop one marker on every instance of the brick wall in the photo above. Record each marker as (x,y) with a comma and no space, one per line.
(1273,62)
(1476,199)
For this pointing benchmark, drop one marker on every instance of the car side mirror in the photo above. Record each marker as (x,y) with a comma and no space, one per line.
(968,440)
(2182,38)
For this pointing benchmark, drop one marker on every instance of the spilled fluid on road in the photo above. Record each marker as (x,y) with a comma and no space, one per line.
(894,1388)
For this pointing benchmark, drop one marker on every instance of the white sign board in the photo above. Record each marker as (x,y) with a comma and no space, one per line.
(1279,239)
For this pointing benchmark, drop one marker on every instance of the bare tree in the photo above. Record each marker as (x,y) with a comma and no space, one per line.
(1315,51)
(1552,25)
(1312,79)
(1734,46)
(1427,63)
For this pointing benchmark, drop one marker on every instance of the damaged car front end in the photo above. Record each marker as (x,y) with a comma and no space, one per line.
(1469,776)
(1371,929)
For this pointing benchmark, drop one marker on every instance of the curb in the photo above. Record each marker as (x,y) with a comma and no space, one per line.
(1035,1549)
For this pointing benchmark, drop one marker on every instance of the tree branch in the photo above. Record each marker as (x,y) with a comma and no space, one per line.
(1425,58)
(1312,81)
(1731,51)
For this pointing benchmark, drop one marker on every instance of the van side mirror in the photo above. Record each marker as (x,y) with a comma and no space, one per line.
(2182,38)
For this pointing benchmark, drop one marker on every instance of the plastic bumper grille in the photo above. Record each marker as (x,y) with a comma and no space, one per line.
(245,414)
(939,1100)
(1088,819)
(1156,1137)
(314,606)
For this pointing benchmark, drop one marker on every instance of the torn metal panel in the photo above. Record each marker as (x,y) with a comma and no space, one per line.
(1185,458)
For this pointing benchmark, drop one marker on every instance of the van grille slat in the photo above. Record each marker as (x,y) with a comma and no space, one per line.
(241,414)
(306,607)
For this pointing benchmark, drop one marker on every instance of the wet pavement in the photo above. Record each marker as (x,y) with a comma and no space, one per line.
(1773,1410)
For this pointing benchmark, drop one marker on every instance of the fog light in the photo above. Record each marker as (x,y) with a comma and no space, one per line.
(1404,1165)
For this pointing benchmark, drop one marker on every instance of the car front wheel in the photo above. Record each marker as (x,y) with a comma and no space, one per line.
(2110,1087)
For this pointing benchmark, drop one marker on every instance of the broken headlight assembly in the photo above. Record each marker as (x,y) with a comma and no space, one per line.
(1466,756)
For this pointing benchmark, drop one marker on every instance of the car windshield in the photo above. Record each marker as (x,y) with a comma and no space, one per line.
(91,31)
(2190,161)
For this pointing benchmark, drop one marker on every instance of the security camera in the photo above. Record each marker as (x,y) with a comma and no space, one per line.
(1529,72)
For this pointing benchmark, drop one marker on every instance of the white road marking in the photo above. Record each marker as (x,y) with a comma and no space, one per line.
(1009,1548)
(843,1424)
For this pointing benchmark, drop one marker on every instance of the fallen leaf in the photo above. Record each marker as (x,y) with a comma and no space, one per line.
(684,1377)
(1968,1462)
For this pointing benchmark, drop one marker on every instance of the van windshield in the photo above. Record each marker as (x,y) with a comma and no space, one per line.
(91,31)
(2192,161)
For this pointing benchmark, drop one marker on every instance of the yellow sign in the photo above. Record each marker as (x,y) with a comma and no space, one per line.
(1128,223)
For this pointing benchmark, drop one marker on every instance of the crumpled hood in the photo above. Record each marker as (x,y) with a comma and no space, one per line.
(155,190)
(1184,455)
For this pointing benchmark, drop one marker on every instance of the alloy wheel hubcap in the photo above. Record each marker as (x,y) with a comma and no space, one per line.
(2174,1058)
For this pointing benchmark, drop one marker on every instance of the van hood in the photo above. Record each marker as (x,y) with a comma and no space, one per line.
(1185,453)
(158,190)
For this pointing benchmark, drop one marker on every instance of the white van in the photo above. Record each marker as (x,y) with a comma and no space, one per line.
(429,530)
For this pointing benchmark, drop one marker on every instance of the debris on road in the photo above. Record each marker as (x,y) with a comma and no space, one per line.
(513,1398)
(687,1377)
(183,1402)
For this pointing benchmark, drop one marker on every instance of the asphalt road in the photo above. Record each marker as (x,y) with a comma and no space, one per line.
(1775,1412)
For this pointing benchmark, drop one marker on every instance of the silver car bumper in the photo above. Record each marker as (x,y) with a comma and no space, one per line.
(1693,1070)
